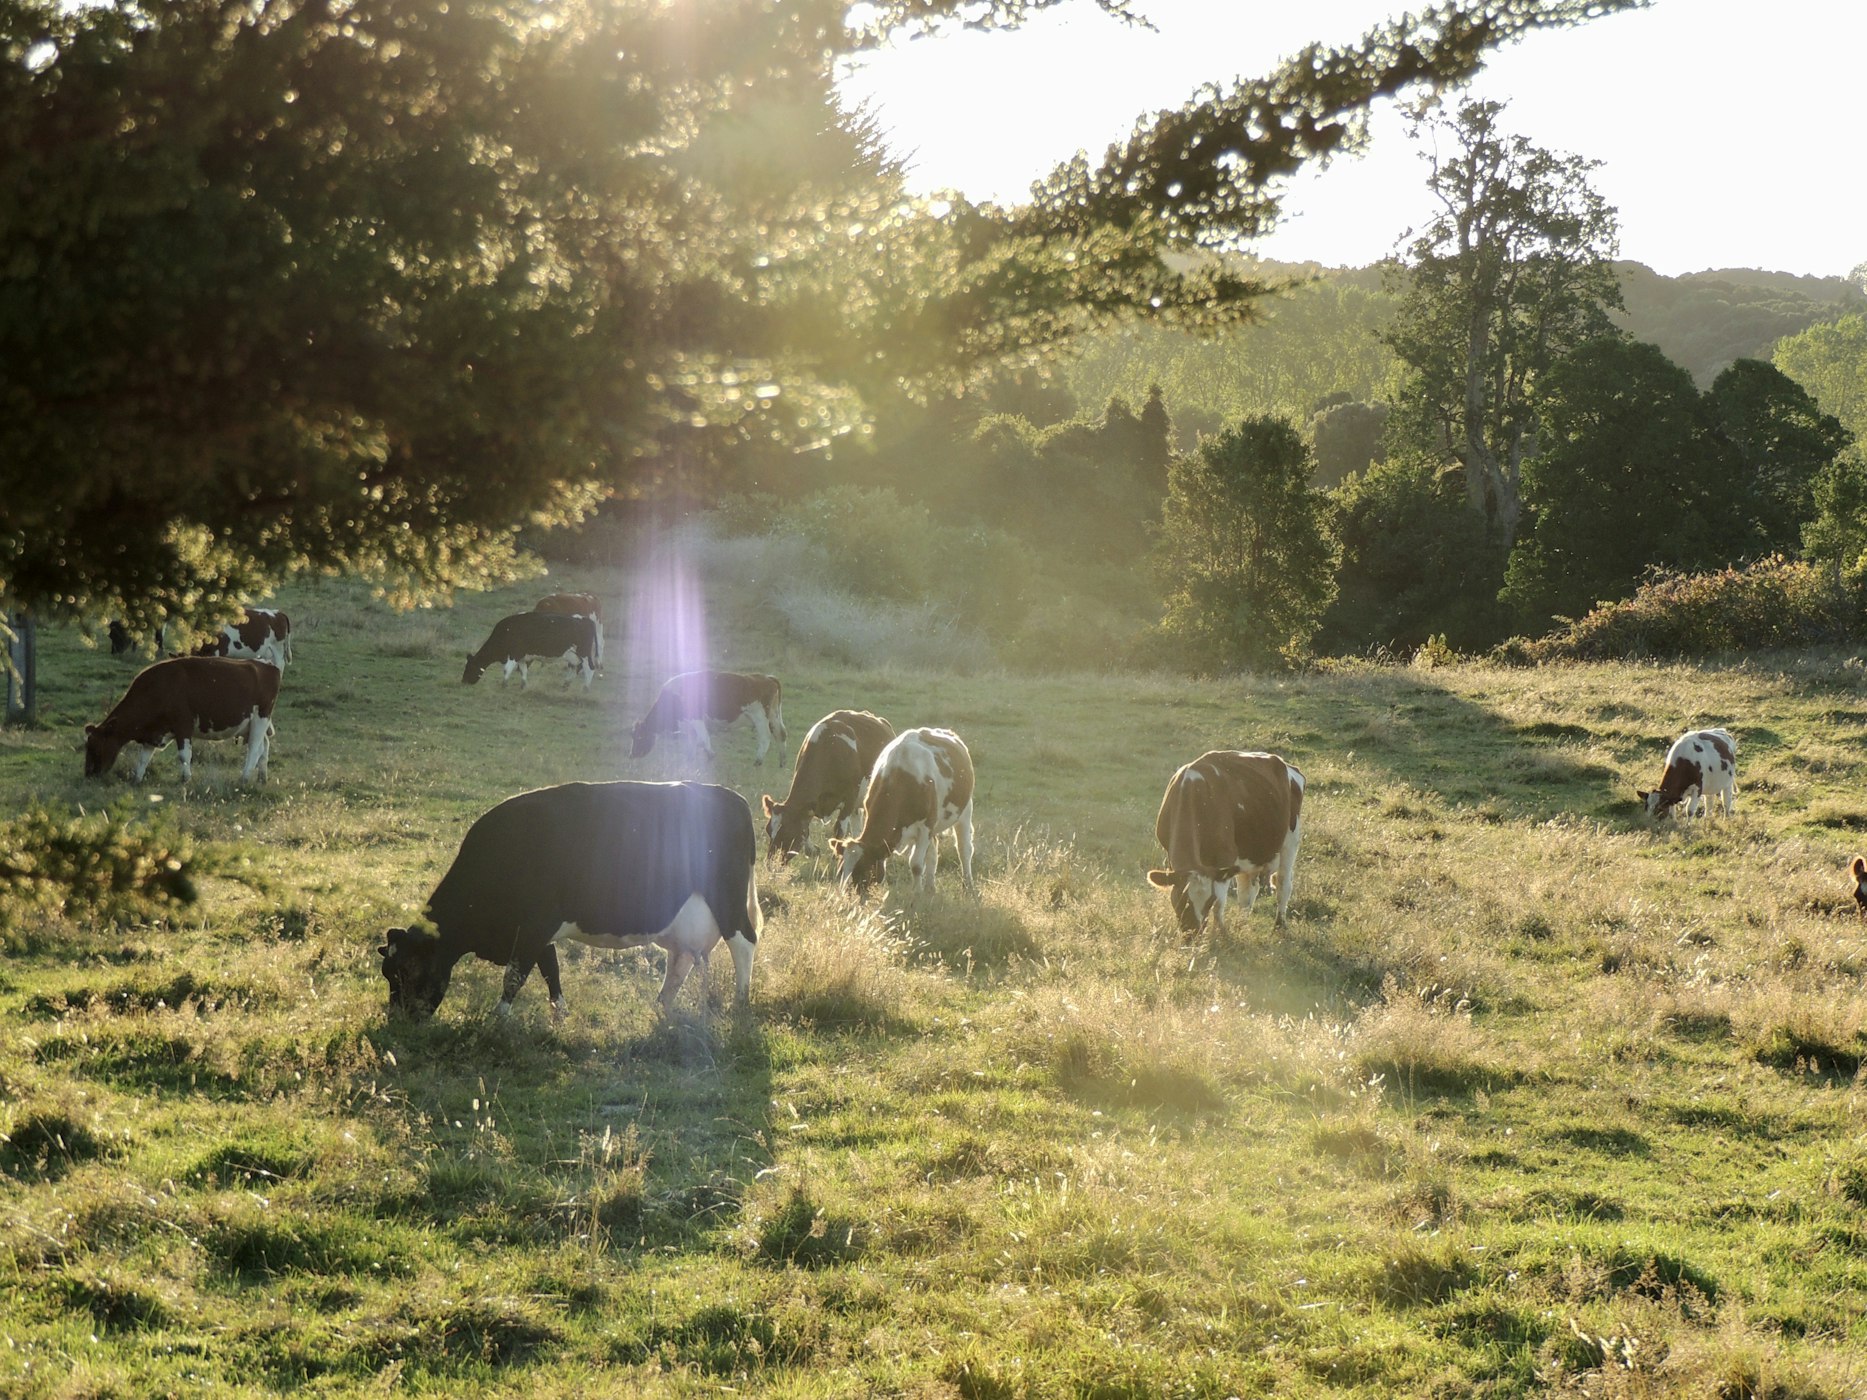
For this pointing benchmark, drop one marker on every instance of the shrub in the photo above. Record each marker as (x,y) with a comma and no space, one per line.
(1774,602)
(105,865)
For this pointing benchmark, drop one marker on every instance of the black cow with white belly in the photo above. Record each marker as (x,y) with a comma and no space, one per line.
(613,865)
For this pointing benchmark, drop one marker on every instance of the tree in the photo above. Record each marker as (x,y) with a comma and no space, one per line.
(1513,273)
(1784,444)
(369,285)
(1417,562)
(1830,361)
(1246,563)
(1634,473)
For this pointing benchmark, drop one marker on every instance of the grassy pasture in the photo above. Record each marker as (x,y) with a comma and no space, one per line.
(1529,1097)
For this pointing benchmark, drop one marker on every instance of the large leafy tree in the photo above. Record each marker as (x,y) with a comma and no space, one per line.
(1784,443)
(1513,272)
(1635,472)
(373,284)
(1247,564)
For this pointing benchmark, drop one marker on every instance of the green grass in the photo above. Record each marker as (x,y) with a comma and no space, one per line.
(1529,1096)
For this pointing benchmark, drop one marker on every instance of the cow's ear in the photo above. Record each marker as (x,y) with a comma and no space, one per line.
(90,729)
(768,803)
(1858,866)
(1643,796)
(1160,879)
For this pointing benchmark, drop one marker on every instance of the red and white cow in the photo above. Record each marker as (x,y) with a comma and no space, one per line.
(183,699)
(691,701)
(263,634)
(921,786)
(832,764)
(575,605)
(1228,816)
(1857,871)
(1701,764)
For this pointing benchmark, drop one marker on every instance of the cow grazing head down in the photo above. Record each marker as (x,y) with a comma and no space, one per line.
(1192,895)
(101,747)
(858,866)
(474,670)
(786,827)
(417,979)
(641,739)
(1857,872)
(1700,766)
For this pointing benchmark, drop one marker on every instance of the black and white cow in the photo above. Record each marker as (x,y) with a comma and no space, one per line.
(1701,764)
(1228,816)
(692,701)
(921,786)
(576,605)
(519,640)
(833,762)
(612,865)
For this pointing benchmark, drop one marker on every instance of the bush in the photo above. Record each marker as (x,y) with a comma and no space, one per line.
(1775,602)
(105,865)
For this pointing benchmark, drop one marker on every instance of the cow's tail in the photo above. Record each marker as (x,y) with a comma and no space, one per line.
(776,706)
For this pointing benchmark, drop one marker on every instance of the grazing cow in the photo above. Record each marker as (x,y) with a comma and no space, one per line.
(689,702)
(263,634)
(121,639)
(832,763)
(613,865)
(1857,868)
(519,640)
(575,605)
(186,698)
(920,787)
(1228,816)
(1699,765)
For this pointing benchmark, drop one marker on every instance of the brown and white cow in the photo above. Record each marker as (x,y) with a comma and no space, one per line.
(263,634)
(575,605)
(1228,816)
(1701,764)
(832,763)
(691,701)
(920,787)
(183,699)
(1857,872)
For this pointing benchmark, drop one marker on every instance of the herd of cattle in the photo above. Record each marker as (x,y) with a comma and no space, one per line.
(627,864)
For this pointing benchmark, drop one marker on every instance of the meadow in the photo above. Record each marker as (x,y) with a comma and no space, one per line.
(1530,1096)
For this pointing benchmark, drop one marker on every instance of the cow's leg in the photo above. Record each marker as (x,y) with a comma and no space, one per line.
(742,949)
(1221,892)
(548,966)
(143,753)
(525,673)
(184,750)
(923,853)
(257,726)
(962,837)
(1245,888)
(762,727)
(680,963)
(505,673)
(1286,871)
(516,972)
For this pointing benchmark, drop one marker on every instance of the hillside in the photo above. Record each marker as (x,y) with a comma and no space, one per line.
(1529,1097)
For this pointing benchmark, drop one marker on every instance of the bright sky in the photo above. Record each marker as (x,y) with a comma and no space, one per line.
(1729,131)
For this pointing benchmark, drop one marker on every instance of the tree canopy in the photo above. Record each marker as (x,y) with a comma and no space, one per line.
(371,285)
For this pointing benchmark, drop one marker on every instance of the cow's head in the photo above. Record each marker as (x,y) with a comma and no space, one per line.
(101,747)
(857,866)
(641,739)
(475,669)
(1656,803)
(786,827)
(1193,895)
(417,977)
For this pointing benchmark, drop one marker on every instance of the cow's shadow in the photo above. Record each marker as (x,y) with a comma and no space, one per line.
(617,1127)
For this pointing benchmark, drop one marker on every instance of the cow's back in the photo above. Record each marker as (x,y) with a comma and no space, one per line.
(617,858)
(1227,808)
(218,691)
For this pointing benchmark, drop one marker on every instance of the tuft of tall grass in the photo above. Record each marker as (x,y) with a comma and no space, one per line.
(1422,1042)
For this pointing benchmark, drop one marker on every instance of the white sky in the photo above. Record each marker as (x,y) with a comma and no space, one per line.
(1731,131)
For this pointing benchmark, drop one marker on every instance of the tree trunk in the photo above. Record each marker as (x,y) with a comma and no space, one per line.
(22,680)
